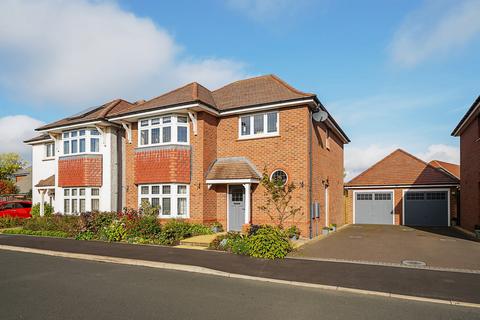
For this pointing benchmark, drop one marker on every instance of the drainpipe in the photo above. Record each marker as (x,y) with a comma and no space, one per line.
(310,179)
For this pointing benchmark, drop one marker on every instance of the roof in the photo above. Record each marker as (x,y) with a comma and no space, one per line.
(92,114)
(41,137)
(23,172)
(452,168)
(467,117)
(47,182)
(232,168)
(402,168)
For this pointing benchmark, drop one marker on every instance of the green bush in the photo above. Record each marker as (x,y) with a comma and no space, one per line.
(64,223)
(41,233)
(146,227)
(233,242)
(10,222)
(115,231)
(292,232)
(85,235)
(269,243)
(175,230)
(47,210)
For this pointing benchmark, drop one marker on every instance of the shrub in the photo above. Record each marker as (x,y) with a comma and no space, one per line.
(41,233)
(175,230)
(147,209)
(115,231)
(146,227)
(216,227)
(68,224)
(269,243)
(293,232)
(232,241)
(47,210)
(96,221)
(85,235)
(10,222)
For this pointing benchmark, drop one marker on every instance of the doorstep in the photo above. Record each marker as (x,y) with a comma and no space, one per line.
(202,241)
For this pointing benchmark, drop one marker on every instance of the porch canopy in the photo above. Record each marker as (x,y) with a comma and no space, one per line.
(44,186)
(238,171)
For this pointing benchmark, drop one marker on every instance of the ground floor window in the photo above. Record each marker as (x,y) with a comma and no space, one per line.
(170,199)
(78,200)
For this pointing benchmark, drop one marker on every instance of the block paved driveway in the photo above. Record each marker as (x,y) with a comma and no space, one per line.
(439,247)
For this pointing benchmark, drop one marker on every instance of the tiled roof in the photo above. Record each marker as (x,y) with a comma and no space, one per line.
(92,114)
(401,168)
(41,137)
(452,168)
(47,182)
(232,168)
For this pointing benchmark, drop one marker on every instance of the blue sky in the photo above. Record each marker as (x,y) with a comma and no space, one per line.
(392,73)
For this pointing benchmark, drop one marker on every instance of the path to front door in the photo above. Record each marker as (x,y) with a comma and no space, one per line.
(236,207)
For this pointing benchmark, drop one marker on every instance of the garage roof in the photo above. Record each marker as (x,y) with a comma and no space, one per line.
(402,168)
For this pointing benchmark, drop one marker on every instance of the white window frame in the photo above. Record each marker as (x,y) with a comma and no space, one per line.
(265,132)
(174,125)
(271,175)
(174,196)
(49,145)
(88,197)
(89,135)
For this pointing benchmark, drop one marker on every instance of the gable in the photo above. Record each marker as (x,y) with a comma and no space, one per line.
(402,168)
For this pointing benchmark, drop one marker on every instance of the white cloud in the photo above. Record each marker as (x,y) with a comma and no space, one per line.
(358,159)
(262,10)
(86,52)
(436,29)
(441,152)
(16,129)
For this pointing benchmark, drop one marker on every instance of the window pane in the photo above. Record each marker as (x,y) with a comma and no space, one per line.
(95,191)
(142,200)
(245,123)
(166,210)
(73,134)
(166,189)
(95,204)
(156,202)
(82,191)
(94,145)
(53,149)
(167,134)
(182,119)
(82,145)
(258,123)
(81,132)
(155,189)
(167,119)
(144,137)
(182,206)
(66,192)
(272,122)
(155,121)
(66,147)
(66,204)
(182,189)
(74,206)
(182,134)
(65,134)
(82,205)
(156,135)
(94,132)
(144,123)
(74,192)
(74,146)
(144,189)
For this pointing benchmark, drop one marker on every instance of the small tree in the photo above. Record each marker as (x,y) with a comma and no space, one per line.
(9,164)
(7,187)
(279,196)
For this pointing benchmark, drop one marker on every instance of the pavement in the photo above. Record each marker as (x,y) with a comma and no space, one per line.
(437,247)
(452,286)
(42,287)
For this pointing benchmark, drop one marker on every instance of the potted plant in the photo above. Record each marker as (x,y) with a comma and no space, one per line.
(293,233)
(333,227)
(477,231)
(217,227)
(325,231)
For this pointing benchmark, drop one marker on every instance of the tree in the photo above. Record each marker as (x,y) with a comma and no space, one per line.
(9,164)
(279,196)
(7,187)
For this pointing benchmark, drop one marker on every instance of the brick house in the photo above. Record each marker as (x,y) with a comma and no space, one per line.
(198,155)
(401,189)
(468,129)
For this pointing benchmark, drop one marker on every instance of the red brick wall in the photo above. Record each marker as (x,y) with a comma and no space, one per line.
(470,176)
(80,171)
(131,196)
(162,165)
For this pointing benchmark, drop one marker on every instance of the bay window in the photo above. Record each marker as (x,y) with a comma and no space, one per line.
(169,129)
(78,200)
(171,200)
(81,141)
(258,125)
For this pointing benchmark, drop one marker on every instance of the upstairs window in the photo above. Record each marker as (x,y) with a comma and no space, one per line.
(258,125)
(50,150)
(169,129)
(81,141)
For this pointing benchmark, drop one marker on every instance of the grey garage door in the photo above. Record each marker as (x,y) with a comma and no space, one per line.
(426,208)
(374,207)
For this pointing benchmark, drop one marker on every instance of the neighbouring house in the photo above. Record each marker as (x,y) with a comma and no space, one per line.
(198,155)
(468,129)
(23,180)
(450,168)
(401,189)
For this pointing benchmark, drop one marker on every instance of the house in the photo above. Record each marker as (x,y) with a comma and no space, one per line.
(450,168)
(468,129)
(197,154)
(23,180)
(401,189)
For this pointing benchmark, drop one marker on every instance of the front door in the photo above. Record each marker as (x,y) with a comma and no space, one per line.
(236,207)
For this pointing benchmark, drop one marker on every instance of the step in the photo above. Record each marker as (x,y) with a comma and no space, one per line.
(200,241)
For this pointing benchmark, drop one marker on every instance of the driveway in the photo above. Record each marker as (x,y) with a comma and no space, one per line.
(436,247)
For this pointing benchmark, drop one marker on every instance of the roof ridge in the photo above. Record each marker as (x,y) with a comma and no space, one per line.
(195,90)
(109,106)
(169,92)
(374,165)
(289,87)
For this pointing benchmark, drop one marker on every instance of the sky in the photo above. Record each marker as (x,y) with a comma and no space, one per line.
(393,74)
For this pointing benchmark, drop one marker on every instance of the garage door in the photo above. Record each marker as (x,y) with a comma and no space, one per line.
(426,208)
(374,207)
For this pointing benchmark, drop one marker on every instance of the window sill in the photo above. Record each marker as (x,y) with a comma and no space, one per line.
(174,217)
(259,137)
(48,159)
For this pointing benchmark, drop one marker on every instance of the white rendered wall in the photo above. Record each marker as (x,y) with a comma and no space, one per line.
(42,168)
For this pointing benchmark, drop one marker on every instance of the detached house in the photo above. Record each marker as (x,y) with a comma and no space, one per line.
(197,154)
(468,129)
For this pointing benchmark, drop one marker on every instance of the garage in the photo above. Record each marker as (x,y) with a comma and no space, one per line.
(426,208)
(374,207)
